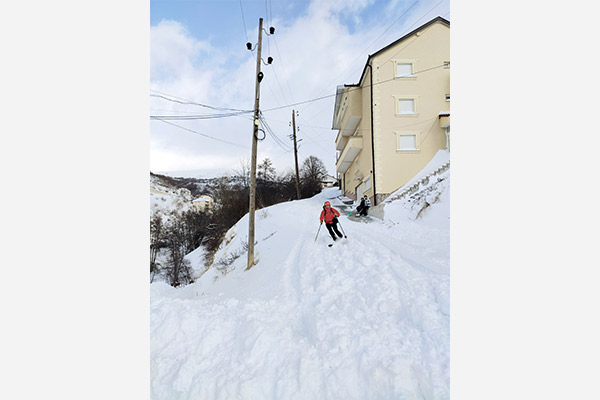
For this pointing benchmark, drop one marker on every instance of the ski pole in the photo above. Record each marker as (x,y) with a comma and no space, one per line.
(342,229)
(318,231)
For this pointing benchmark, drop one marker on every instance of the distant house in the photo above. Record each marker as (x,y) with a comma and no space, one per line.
(328,181)
(394,120)
(203,203)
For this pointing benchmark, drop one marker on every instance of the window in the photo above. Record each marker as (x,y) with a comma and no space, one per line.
(405,107)
(447,97)
(407,141)
(446,64)
(367,184)
(404,70)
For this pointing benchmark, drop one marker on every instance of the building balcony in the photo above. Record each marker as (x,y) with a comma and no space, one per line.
(444,118)
(353,146)
(348,130)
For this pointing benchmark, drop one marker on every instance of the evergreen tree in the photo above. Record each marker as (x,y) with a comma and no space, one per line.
(265,170)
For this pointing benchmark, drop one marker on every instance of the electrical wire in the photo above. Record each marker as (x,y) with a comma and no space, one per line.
(175,99)
(428,132)
(407,30)
(349,90)
(244,21)
(198,116)
(411,27)
(276,138)
(201,134)
(238,112)
(280,61)
(243,112)
(372,43)
(309,137)
(279,83)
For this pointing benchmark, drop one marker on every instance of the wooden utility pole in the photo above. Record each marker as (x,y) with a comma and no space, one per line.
(296,156)
(252,205)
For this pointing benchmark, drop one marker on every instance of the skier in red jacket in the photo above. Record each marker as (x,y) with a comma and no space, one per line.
(330,214)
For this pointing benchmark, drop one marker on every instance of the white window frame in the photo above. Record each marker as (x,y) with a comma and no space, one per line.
(397,99)
(417,136)
(404,62)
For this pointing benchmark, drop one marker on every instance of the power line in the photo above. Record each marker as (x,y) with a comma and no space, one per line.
(284,70)
(301,102)
(198,116)
(238,112)
(372,43)
(201,134)
(277,140)
(244,21)
(308,125)
(175,99)
(415,23)
(349,90)
(242,112)
(279,83)
(407,30)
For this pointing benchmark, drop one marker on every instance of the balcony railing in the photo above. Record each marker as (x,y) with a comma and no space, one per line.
(351,150)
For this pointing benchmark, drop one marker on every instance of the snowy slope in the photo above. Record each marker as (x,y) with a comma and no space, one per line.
(165,198)
(365,319)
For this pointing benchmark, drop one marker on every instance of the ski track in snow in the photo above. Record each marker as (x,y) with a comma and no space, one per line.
(365,319)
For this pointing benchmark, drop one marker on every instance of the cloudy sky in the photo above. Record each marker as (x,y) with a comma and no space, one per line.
(201,73)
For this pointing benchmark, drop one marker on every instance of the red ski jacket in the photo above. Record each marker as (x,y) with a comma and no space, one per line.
(329,216)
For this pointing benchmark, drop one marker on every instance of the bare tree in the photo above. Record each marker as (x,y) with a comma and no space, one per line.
(242,175)
(177,270)
(156,243)
(312,172)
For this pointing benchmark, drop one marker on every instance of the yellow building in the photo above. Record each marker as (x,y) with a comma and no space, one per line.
(394,120)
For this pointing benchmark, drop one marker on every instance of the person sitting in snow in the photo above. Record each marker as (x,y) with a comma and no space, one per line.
(330,214)
(365,203)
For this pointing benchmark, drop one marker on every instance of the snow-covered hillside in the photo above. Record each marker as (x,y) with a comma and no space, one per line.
(165,198)
(365,319)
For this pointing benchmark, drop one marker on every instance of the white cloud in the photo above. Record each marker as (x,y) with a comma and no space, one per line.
(173,51)
(331,7)
(313,54)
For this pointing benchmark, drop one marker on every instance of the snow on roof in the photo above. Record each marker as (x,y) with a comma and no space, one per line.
(204,197)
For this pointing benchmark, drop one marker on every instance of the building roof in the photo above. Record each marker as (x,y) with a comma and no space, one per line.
(204,197)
